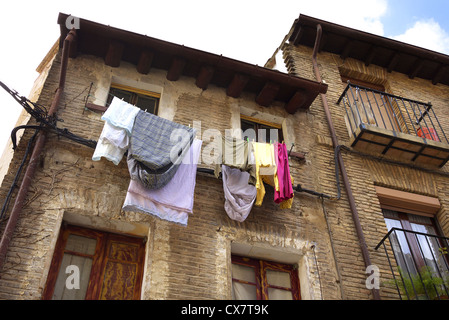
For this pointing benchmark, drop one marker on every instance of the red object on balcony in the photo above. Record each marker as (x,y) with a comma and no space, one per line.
(428,133)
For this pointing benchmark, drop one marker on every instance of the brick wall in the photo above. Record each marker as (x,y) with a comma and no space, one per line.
(193,262)
(190,262)
(364,172)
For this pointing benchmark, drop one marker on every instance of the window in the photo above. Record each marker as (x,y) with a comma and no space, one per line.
(101,266)
(413,248)
(263,280)
(260,131)
(145,100)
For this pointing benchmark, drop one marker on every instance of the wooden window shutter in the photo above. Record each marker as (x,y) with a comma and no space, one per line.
(116,270)
(121,272)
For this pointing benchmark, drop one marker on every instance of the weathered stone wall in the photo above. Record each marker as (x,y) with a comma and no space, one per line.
(193,262)
(190,262)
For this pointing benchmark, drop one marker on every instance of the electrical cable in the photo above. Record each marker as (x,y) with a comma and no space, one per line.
(18,173)
(40,114)
(47,123)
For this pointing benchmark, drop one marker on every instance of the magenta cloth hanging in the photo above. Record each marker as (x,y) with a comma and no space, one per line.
(283,171)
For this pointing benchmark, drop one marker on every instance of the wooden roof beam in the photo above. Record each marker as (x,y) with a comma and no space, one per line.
(347,50)
(296,102)
(442,69)
(369,58)
(393,62)
(114,54)
(416,68)
(145,61)
(237,85)
(176,68)
(268,94)
(204,77)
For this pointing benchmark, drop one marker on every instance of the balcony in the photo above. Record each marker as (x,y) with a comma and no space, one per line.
(390,125)
(419,264)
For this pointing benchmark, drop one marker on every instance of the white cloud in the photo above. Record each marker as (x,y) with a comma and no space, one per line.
(361,15)
(426,34)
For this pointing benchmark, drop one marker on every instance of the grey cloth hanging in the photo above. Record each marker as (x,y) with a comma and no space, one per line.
(235,153)
(157,147)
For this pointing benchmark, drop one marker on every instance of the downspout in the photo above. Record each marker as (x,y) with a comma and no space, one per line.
(37,150)
(339,158)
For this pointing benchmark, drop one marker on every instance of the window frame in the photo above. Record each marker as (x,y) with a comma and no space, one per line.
(261,282)
(99,259)
(405,220)
(135,93)
(258,124)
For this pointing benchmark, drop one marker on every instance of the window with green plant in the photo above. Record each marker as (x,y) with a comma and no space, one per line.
(421,255)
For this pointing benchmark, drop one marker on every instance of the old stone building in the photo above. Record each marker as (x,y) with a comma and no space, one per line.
(386,122)
(355,174)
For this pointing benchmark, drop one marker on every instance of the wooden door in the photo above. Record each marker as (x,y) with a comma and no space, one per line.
(108,266)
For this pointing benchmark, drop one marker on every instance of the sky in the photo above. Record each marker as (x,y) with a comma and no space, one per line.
(246,30)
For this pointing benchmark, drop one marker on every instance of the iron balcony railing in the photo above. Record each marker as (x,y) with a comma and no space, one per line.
(419,264)
(365,106)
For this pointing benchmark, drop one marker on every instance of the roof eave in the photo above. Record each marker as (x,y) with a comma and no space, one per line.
(394,55)
(116,45)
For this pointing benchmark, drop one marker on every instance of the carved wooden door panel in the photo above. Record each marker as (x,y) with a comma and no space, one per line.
(121,270)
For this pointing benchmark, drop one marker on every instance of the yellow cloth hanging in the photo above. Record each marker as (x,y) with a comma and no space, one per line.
(265,162)
(272,180)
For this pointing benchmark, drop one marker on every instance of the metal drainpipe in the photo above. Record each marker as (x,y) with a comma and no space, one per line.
(355,215)
(37,150)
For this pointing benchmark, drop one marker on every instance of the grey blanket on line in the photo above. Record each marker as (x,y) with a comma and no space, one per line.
(153,156)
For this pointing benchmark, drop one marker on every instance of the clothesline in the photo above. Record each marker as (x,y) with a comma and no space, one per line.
(162,185)
(297,188)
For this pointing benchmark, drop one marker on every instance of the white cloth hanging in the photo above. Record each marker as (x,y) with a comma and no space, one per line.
(121,114)
(115,136)
(112,144)
(239,194)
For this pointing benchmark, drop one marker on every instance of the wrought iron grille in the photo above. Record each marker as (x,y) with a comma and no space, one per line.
(365,106)
(419,264)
